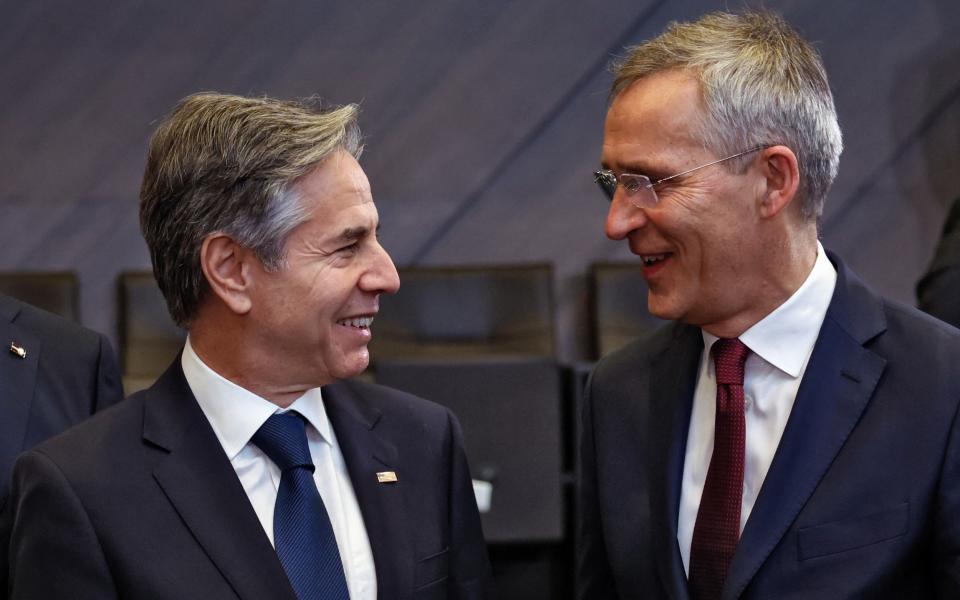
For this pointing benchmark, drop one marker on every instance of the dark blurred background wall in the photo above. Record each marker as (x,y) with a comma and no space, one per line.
(483,123)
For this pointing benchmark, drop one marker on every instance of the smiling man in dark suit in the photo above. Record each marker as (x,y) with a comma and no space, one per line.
(252,469)
(791,434)
(53,374)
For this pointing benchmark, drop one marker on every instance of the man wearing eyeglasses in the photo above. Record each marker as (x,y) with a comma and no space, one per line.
(791,434)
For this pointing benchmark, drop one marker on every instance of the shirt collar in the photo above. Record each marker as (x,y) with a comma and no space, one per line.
(311,406)
(235,413)
(786,336)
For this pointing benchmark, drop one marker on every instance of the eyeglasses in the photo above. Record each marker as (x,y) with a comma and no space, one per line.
(639,188)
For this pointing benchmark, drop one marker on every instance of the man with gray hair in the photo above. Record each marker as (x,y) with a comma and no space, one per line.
(791,434)
(253,468)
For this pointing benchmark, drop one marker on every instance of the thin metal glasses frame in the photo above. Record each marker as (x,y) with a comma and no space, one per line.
(633,183)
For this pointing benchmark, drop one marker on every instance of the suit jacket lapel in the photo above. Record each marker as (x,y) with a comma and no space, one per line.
(200,482)
(366,453)
(837,386)
(17,385)
(673,378)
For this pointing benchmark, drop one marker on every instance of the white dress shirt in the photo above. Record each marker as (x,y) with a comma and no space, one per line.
(236,414)
(780,345)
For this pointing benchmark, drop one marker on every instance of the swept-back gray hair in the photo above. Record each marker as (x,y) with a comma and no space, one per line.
(221,163)
(762,83)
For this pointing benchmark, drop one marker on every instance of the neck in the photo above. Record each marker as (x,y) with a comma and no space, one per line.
(787,264)
(225,349)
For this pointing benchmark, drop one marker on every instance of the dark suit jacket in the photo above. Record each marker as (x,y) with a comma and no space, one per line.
(142,502)
(68,374)
(862,499)
(938,291)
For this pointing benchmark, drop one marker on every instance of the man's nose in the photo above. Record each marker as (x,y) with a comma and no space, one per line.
(623,217)
(382,277)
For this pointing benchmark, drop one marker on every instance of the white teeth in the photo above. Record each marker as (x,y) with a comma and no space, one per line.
(649,259)
(358,322)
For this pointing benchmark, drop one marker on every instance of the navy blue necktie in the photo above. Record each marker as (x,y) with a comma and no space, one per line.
(302,533)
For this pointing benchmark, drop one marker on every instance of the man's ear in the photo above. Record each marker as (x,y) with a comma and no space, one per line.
(782,175)
(226,265)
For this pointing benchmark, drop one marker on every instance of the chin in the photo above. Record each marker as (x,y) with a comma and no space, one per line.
(353,367)
(662,308)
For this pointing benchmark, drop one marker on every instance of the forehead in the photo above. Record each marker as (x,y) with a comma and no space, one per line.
(338,175)
(334,190)
(655,120)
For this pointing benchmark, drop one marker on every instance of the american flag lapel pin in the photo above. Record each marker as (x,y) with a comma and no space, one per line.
(387,477)
(18,350)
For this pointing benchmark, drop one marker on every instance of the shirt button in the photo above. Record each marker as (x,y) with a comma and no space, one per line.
(747,402)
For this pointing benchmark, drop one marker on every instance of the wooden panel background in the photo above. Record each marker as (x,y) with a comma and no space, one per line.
(483,122)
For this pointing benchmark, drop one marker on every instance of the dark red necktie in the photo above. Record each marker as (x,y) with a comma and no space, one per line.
(717,530)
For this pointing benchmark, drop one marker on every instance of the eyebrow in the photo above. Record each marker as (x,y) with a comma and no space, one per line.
(352,234)
(650,170)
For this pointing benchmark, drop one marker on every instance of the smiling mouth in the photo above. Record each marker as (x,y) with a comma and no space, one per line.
(357,322)
(651,259)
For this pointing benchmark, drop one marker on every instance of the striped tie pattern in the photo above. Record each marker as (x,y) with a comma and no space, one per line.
(302,533)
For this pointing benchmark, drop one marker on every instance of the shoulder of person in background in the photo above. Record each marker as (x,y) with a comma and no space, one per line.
(938,291)
(56,373)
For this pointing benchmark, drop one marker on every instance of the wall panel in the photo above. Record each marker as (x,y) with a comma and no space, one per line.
(483,122)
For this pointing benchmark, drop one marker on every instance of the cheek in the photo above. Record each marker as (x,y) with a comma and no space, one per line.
(709,257)
(722,267)
(684,201)
(331,301)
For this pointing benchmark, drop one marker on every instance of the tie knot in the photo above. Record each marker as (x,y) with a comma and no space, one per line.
(729,356)
(283,438)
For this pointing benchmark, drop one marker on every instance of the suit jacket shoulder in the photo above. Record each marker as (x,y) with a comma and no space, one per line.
(138,501)
(939,287)
(49,326)
(72,360)
(918,331)
(142,501)
(862,496)
(395,403)
(67,373)
(424,528)
(644,349)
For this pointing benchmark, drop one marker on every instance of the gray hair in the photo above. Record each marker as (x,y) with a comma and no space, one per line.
(229,164)
(762,84)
